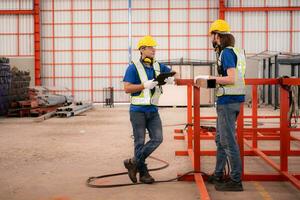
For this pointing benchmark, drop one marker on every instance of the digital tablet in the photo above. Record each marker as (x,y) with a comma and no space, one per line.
(162,76)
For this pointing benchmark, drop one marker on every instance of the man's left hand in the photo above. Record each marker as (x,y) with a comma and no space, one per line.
(170,80)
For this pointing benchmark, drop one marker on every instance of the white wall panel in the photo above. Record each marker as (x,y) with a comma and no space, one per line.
(137,16)
(179,28)
(275,3)
(82,43)
(100,16)
(63,70)
(101,70)
(62,30)
(159,4)
(62,17)
(279,21)
(196,15)
(119,16)
(296,39)
(253,3)
(178,4)
(26,43)
(178,15)
(119,43)
(63,57)
(63,44)
(82,83)
(295,3)
(119,29)
(119,56)
(159,29)
(197,3)
(16,4)
(235,21)
(100,30)
(119,4)
(178,54)
(255,21)
(101,43)
(64,84)
(46,57)
(279,42)
(100,83)
(81,30)
(82,57)
(26,24)
(81,17)
(118,69)
(198,55)
(10,22)
(62,5)
(255,42)
(117,83)
(140,29)
(8,45)
(81,4)
(159,15)
(82,70)
(198,42)
(162,42)
(198,28)
(100,56)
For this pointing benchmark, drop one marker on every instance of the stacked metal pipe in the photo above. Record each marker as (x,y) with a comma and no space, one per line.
(74,109)
(5,82)
(19,85)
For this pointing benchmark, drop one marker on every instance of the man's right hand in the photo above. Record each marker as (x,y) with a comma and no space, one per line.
(150,84)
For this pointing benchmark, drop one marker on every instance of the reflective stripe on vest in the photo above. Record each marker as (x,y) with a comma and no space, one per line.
(238,88)
(145,97)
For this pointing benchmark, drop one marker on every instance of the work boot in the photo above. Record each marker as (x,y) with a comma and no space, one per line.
(130,165)
(146,178)
(213,179)
(229,186)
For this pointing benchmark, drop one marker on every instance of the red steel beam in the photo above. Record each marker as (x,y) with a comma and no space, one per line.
(281,169)
(259,9)
(17,12)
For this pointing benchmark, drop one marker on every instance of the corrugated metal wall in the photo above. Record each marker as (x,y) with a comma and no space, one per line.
(84,43)
(16,31)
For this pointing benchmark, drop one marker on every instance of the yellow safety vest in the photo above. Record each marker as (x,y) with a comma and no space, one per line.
(238,88)
(145,97)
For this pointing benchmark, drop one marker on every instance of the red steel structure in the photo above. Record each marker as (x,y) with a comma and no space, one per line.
(246,136)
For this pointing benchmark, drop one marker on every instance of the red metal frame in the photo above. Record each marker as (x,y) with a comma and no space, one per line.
(244,135)
(37,43)
(223,9)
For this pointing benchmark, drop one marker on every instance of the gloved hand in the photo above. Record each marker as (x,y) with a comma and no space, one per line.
(170,80)
(150,84)
(201,77)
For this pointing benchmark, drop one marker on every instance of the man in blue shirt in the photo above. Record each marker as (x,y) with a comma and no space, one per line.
(139,81)
(230,95)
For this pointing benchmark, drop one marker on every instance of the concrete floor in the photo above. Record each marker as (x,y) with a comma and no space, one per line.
(53,159)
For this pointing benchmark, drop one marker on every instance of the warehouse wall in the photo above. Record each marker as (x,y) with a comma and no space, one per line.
(84,43)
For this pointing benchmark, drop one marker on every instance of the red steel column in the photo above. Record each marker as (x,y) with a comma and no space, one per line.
(221,9)
(284,132)
(240,134)
(37,44)
(254,115)
(190,115)
(196,129)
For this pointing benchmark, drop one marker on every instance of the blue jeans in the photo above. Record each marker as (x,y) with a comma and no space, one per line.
(227,146)
(141,121)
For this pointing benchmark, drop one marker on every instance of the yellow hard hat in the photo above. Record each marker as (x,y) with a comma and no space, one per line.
(147,41)
(220,26)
